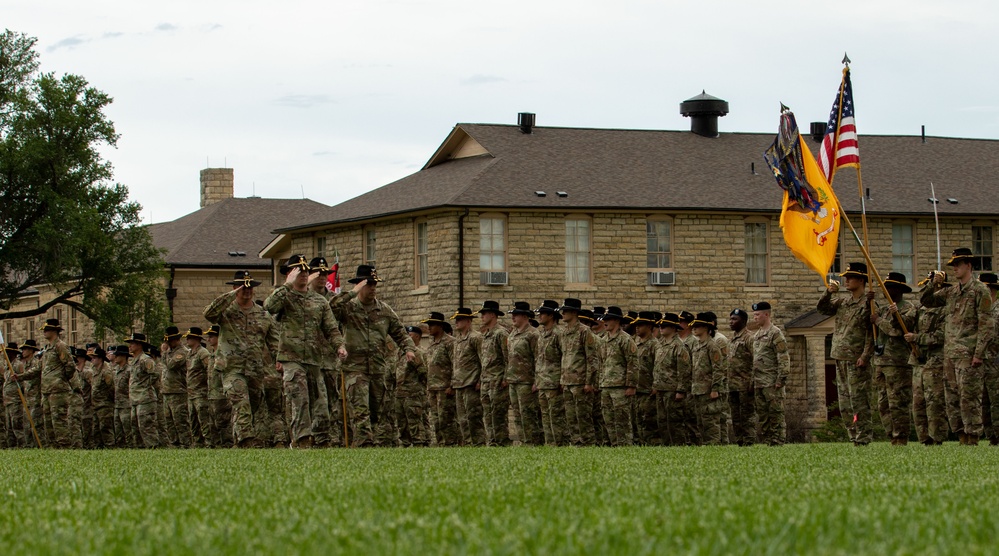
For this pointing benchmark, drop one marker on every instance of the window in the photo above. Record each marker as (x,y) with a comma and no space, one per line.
(422,268)
(492,244)
(837,264)
(577,251)
(903,254)
(981,247)
(369,246)
(756,252)
(8,332)
(31,329)
(74,331)
(321,246)
(659,242)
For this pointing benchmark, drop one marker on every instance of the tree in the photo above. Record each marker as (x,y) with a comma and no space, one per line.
(64,223)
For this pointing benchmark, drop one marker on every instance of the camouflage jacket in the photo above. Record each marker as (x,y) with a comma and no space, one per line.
(771,360)
(852,337)
(890,334)
(307,325)
(174,380)
(466,360)
(494,355)
(214,378)
(329,356)
(672,370)
(411,378)
(57,368)
(740,361)
(992,352)
(708,368)
(440,367)
(723,344)
(620,357)
(645,362)
(248,338)
(547,359)
(122,380)
(968,313)
(143,377)
(522,347)
(102,386)
(929,330)
(580,355)
(366,329)
(10,394)
(197,372)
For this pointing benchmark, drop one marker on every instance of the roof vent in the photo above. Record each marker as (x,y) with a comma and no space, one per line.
(818,130)
(540,193)
(562,194)
(526,122)
(704,111)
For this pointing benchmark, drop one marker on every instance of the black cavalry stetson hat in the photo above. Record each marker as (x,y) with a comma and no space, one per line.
(990,279)
(491,307)
(670,319)
(318,264)
(896,280)
(586,316)
(685,316)
(171,333)
(435,318)
(548,306)
(138,338)
(858,270)
(11,348)
(194,332)
(572,304)
(365,272)
(612,313)
(121,350)
(52,324)
(243,278)
(522,308)
(29,344)
(960,254)
(463,313)
(704,319)
(213,331)
(646,317)
(293,261)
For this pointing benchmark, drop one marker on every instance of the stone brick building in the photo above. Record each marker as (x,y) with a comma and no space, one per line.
(665,220)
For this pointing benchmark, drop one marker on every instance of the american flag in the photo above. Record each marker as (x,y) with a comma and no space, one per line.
(839,146)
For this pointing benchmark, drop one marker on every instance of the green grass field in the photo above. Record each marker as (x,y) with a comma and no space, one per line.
(816,499)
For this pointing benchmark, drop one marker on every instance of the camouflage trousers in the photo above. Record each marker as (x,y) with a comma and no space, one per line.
(410,414)
(553,417)
(898,394)
(952,401)
(770,410)
(469,411)
(203,431)
(673,418)
(358,387)
(275,415)
(123,434)
(305,392)
(442,417)
(646,420)
(146,427)
(579,415)
(103,428)
(495,408)
(383,412)
(526,414)
(177,420)
(854,386)
(929,411)
(16,425)
(33,395)
(246,398)
(742,407)
(990,401)
(617,408)
(725,419)
(601,438)
(970,385)
(708,411)
(222,416)
(332,379)
(63,430)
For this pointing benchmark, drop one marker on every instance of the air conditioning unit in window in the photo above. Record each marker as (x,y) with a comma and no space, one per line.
(494,278)
(662,278)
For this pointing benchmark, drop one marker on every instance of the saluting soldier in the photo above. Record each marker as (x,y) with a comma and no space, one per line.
(328,369)
(893,373)
(929,407)
(522,347)
(466,376)
(580,366)
(708,370)
(741,396)
(202,425)
(83,409)
(218,404)
(968,332)
(493,392)
(771,369)
(102,397)
(411,394)
(671,380)
(852,346)
(57,393)
(548,375)
(142,392)
(173,388)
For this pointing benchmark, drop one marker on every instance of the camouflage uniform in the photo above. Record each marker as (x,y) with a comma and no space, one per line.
(619,373)
(968,333)
(220,408)
(173,387)
(990,411)
(741,394)
(366,329)
(522,349)
(547,375)
(13,409)
(203,429)
(771,366)
(102,397)
(464,378)
(646,418)
(442,406)
(411,399)
(928,399)
(672,376)
(383,403)
(852,340)
(600,435)
(580,363)
(142,394)
(894,375)
(247,338)
(725,417)
(58,395)
(495,397)
(708,373)
(85,407)
(124,435)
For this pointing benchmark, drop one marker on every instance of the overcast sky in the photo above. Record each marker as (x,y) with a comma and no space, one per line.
(338,98)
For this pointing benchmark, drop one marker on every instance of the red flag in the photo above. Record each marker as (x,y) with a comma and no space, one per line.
(333,279)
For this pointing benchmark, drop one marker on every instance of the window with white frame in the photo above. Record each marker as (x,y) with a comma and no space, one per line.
(903,249)
(981,247)
(369,246)
(577,250)
(757,252)
(422,270)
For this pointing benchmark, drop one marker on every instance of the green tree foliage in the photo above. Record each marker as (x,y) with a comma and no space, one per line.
(64,222)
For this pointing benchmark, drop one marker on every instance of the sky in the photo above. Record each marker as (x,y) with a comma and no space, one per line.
(333,99)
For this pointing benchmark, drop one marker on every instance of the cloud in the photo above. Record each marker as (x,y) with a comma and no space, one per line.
(69,42)
(480,79)
(303,101)
(324,153)
(112,35)
(166,27)
(213,27)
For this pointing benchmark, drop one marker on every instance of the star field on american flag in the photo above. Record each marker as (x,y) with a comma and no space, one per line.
(839,146)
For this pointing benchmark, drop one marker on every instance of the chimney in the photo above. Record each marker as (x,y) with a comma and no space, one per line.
(704,111)
(216,185)
(526,122)
(818,131)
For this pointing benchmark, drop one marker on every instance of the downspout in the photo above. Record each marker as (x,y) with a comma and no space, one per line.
(171,293)
(461,259)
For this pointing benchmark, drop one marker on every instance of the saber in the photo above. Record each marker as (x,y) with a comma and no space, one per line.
(20,393)
(936,220)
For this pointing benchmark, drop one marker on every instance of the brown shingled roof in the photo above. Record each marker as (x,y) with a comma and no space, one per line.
(674,170)
(205,237)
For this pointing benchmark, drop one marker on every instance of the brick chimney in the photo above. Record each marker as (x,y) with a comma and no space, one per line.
(216,185)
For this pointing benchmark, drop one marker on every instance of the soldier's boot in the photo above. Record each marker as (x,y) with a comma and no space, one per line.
(994,441)
(972,440)
(304,443)
(902,441)
(962,439)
